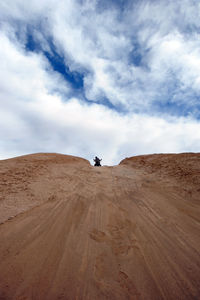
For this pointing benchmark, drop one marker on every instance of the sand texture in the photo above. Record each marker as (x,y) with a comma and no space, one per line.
(69,230)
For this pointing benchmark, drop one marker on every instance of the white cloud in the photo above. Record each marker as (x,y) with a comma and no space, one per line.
(37,110)
(102,41)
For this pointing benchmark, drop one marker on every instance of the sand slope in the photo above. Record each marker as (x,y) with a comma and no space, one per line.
(72,231)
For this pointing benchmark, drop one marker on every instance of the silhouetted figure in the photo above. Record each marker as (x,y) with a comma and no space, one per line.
(97,162)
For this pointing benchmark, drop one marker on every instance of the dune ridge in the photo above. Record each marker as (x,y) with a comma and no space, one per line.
(69,230)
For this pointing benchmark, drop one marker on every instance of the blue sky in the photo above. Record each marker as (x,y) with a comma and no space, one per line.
(108,78)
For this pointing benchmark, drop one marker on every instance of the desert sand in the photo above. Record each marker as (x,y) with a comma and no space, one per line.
(69,230)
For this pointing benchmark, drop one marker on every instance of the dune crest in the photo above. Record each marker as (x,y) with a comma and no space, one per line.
(72,231)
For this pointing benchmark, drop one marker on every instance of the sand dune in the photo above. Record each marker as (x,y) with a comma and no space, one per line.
(72,231)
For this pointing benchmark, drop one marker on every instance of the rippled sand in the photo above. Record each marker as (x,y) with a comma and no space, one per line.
(73,231)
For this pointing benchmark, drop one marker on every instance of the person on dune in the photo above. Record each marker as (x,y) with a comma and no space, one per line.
(97,162)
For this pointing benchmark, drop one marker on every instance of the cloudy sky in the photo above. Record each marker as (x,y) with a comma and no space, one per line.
(112,78)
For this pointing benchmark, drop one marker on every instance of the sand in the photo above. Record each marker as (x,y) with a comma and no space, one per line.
(73,231)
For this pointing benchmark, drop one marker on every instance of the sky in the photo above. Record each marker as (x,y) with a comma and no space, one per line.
(112,78)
